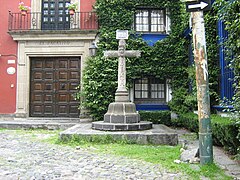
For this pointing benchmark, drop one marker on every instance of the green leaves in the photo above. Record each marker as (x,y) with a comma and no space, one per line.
(168,58)
(229,13)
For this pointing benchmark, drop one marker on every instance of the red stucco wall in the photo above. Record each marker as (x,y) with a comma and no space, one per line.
(8,51)
(86,5)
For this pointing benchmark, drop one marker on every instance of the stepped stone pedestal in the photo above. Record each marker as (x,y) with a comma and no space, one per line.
(121,114)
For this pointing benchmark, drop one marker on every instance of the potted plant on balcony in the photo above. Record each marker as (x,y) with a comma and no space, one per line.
(72,7)
(23,8)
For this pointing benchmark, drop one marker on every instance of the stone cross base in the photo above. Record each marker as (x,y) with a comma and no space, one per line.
(121,116)
(121,96)
(101,125)
(122,112)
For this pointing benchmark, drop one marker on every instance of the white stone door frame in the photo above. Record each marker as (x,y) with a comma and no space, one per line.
(44,47)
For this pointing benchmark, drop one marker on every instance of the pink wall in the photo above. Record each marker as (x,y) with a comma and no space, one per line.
(8,51)
(86,5)
(8,48)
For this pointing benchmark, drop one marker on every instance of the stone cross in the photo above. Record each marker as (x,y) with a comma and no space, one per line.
(121,93)
(121,114)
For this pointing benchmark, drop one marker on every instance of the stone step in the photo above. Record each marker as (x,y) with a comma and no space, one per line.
(159,134)
(41,123)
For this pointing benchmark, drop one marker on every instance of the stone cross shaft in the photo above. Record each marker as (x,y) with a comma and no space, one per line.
(121,54)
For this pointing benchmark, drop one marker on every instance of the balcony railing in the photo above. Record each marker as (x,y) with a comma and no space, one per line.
(35,22)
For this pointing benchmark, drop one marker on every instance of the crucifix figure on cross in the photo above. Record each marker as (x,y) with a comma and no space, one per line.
(121,93)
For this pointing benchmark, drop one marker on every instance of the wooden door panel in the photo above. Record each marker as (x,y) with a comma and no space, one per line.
(49,64)
(49,76)
(74,75)
(37,97)
(53,85)
(73,86)
(63,110)
(63,64)
(38,86)
(73,109)
(38,64)
(63,98)
(63,76)
(48,98)
(37,110)
(49,110)
(38,76)
(62,87)
(74,64)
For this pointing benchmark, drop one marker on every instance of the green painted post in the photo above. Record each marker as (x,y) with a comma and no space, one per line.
(200,58)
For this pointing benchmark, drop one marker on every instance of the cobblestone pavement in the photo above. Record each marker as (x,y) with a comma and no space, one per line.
(23,158)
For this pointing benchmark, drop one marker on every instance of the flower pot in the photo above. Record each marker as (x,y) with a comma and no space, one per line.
(23,12)
(71,11)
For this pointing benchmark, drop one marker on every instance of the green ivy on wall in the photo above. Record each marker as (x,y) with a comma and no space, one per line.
(229,13)
(167,59)
(211,33)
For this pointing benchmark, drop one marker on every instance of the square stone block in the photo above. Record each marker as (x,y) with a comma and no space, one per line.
(133,127)
(107,118)
(137,138)
(145,126)
(97,126)
(117,119)
(121,127)
(132,119)
(108,127)
(168,139)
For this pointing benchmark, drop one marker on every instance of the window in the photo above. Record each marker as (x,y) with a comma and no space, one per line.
(152,20)
(55,15)
(149,89)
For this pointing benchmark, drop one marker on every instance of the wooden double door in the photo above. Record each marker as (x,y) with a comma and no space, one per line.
(53,86)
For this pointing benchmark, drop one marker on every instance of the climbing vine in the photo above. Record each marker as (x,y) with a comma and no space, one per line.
(229,13)
(167,59)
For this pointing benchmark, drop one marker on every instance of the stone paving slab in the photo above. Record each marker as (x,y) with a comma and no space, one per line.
(220,157)
(41,123)
(230,166)
(159,134)
(23,158)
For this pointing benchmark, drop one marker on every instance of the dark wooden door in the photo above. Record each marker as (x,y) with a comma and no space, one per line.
(53,85)
(55,15)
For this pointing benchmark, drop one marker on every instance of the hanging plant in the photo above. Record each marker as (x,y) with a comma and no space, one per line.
(23,8)
(72,7)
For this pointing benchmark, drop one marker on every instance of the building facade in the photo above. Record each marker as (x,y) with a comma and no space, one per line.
(43,54)
(42,57)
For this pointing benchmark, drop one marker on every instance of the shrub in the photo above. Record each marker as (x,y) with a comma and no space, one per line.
(156,117)
(189,121)
(225,133)
(224,130)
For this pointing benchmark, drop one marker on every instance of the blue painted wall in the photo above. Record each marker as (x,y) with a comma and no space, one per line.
(151,39)
(226,76)
(152,107)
